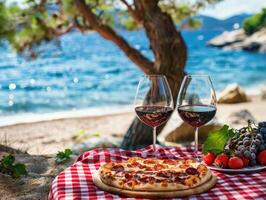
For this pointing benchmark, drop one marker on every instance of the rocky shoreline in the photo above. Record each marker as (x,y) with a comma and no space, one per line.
(238,40)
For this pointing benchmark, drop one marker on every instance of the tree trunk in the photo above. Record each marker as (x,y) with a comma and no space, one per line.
(170,54)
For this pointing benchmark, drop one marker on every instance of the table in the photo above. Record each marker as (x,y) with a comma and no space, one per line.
(75,182)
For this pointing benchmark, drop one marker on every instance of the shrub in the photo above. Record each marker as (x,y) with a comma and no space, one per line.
(255,22)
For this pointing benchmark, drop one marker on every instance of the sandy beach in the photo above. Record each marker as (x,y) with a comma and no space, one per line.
(49,133)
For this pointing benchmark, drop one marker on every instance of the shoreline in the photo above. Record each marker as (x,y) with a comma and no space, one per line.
(253,92)
(23,118)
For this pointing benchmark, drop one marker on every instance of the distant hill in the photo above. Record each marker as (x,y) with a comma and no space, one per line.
(211,23)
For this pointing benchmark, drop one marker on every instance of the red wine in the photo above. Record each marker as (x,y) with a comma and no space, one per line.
(153,115)
(197,115)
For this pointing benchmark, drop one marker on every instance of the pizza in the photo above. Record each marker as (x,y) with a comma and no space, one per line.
(139,174)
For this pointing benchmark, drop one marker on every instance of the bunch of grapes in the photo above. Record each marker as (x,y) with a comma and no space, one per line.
(249,142)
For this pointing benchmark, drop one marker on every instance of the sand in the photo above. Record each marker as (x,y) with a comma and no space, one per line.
(49,133)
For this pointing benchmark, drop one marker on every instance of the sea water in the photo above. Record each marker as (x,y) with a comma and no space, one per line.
(79,71)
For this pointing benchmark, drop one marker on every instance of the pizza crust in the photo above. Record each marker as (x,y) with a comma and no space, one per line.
(210,183)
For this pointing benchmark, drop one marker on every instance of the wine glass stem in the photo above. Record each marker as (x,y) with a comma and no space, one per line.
(154,139)
(196,144)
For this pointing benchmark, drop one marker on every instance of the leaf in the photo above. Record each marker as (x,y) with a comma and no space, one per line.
(62,156)
(8,161)
(7,167)
(216,140)
(18,170)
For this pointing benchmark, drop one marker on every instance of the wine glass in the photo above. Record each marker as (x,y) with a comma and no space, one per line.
(196,103)
(153,102)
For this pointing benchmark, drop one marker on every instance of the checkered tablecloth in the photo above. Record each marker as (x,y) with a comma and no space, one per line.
(76,183)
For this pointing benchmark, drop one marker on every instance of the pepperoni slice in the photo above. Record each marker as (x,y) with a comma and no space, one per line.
(158,167)
(149,169)
(128,176)
(118,168)
(164,174)
(169,162)
(191,171)
(135,164)
(149,162)
(142,166)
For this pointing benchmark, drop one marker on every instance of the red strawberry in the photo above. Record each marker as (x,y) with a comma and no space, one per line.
(245,161)
(209,158)
(235,163)
(262,157)
(221,160)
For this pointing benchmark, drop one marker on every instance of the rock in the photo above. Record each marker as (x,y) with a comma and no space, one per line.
(42,169)
(240,118)
(233,93)
(238,40)
(96,142)
(227,38)
(174,134)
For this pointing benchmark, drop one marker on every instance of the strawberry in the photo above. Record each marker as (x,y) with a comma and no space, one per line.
(262,157)
(209,158)
(245,161)
(235,163)
(221,160)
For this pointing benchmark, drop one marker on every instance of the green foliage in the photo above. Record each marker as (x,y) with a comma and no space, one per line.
(63,156)
(183,11)
(255,22)
(26,26)
(217,139)
(7,166)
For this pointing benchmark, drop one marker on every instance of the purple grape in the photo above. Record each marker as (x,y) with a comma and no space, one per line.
(253,156)
(262,124)
(254,150)
(246,143)
(257,142)
(238,153)
(263,130)
(259,136)
(241,148)
(247,154)
(246,138)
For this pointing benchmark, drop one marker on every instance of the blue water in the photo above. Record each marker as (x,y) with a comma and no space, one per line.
(82,71)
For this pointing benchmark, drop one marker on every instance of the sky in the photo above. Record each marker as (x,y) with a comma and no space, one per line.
(228,8)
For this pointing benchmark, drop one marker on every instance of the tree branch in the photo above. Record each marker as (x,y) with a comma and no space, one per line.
(109,34)
(132,12)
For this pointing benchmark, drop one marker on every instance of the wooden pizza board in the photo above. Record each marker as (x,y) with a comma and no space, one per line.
(155,194)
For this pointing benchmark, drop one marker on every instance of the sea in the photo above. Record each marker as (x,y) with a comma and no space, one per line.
(81,71)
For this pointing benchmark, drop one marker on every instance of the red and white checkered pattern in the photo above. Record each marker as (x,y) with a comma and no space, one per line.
(76,183)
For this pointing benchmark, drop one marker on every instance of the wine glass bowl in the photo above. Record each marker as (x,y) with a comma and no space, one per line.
(153,102)
(196,103)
